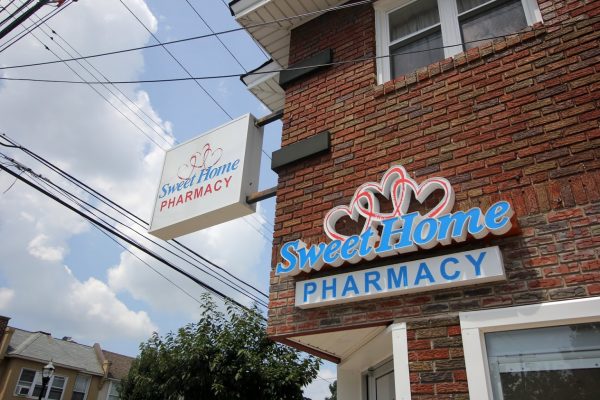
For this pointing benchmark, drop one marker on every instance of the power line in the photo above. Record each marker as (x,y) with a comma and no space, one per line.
(276,21)
(14,14)
(46,18)
(216,36)
(120,210)
(225,76)
(125,248)
(162,133)
(124,238)
(176,60)
(98,92)
(254,40)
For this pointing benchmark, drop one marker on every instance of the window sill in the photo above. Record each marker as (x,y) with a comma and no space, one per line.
(425,73)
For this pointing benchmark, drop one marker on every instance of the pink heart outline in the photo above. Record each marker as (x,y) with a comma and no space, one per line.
(398,185)
(198,161)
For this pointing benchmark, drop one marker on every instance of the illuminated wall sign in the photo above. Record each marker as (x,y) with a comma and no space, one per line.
(459,269)
(401,231)
(205,181)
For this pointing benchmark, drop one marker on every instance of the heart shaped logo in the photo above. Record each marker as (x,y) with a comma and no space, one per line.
(396,186)
(205,158)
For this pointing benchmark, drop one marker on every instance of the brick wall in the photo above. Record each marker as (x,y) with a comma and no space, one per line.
(515,120)
(3,325)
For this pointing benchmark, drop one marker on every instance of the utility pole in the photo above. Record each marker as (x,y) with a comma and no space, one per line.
(23,17)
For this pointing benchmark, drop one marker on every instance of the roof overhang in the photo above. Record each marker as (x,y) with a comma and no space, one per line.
(263,82)
(336,346)
(56,364)
(256,17)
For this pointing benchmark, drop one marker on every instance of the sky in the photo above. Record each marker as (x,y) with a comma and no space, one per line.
(58,273)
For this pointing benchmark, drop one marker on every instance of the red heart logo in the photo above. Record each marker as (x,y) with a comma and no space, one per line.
(397,186)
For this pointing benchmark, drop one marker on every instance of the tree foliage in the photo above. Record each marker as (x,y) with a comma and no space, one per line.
(223,356)
(333,391)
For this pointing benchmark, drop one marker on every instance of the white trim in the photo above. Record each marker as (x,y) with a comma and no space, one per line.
(475,324)
(37,379)
(112,382)
(87,387)
(400,351)
(450,28)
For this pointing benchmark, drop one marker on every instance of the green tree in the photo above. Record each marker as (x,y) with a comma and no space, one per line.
(223,356)
(333,391)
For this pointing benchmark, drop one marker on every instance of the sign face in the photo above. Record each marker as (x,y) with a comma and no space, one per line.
(396,232)
(205,181)
(459,269)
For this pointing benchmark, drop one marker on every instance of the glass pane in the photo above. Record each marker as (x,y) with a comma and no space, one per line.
(421,53)
(502,20)
(566,338)
(37,389)
(413,18)
(58,382)
(580,384)
(114,388)
(561,362)
(27,377)
(55,394)
(384,386)
(77,396)
(81,383)
(466,5)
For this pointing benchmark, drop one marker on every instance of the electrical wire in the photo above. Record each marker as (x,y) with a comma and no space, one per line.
(114,206)
(125,248)
(333,63)
(130,104)
(46,18)
(126,239)
(276,21)
(105,98)
(14,14)
(176,60)
(216,36)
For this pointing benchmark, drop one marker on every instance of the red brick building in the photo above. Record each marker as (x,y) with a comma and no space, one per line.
(499,98)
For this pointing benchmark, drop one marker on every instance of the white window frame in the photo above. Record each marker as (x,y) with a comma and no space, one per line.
(87,388)
(450,28)
(110,387)
(475,324)
(391,342)
(36,378)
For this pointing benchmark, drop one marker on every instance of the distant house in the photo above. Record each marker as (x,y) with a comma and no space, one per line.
(82,372)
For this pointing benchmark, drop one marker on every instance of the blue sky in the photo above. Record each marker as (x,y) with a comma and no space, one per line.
(57,273)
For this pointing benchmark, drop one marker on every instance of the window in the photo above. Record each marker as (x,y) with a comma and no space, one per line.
(25,382)
(415,33)
(557,362)
(30,385)
(82,383)
(380,382)
(542,351)
(113,391)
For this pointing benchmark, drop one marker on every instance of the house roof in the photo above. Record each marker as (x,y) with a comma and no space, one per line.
(119,364)
(42,347)
(257,17)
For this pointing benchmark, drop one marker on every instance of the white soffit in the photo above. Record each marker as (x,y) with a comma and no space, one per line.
(263,82)
(340,343)
(275,38)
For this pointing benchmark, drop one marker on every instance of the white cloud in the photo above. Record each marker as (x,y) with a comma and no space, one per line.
(38,248)
(76,129)
(6,296)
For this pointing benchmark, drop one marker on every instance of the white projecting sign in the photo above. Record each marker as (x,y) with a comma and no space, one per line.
(459,269)
(205,181)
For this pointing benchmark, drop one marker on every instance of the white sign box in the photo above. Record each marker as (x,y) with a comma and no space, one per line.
(205,181)
(459,269)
